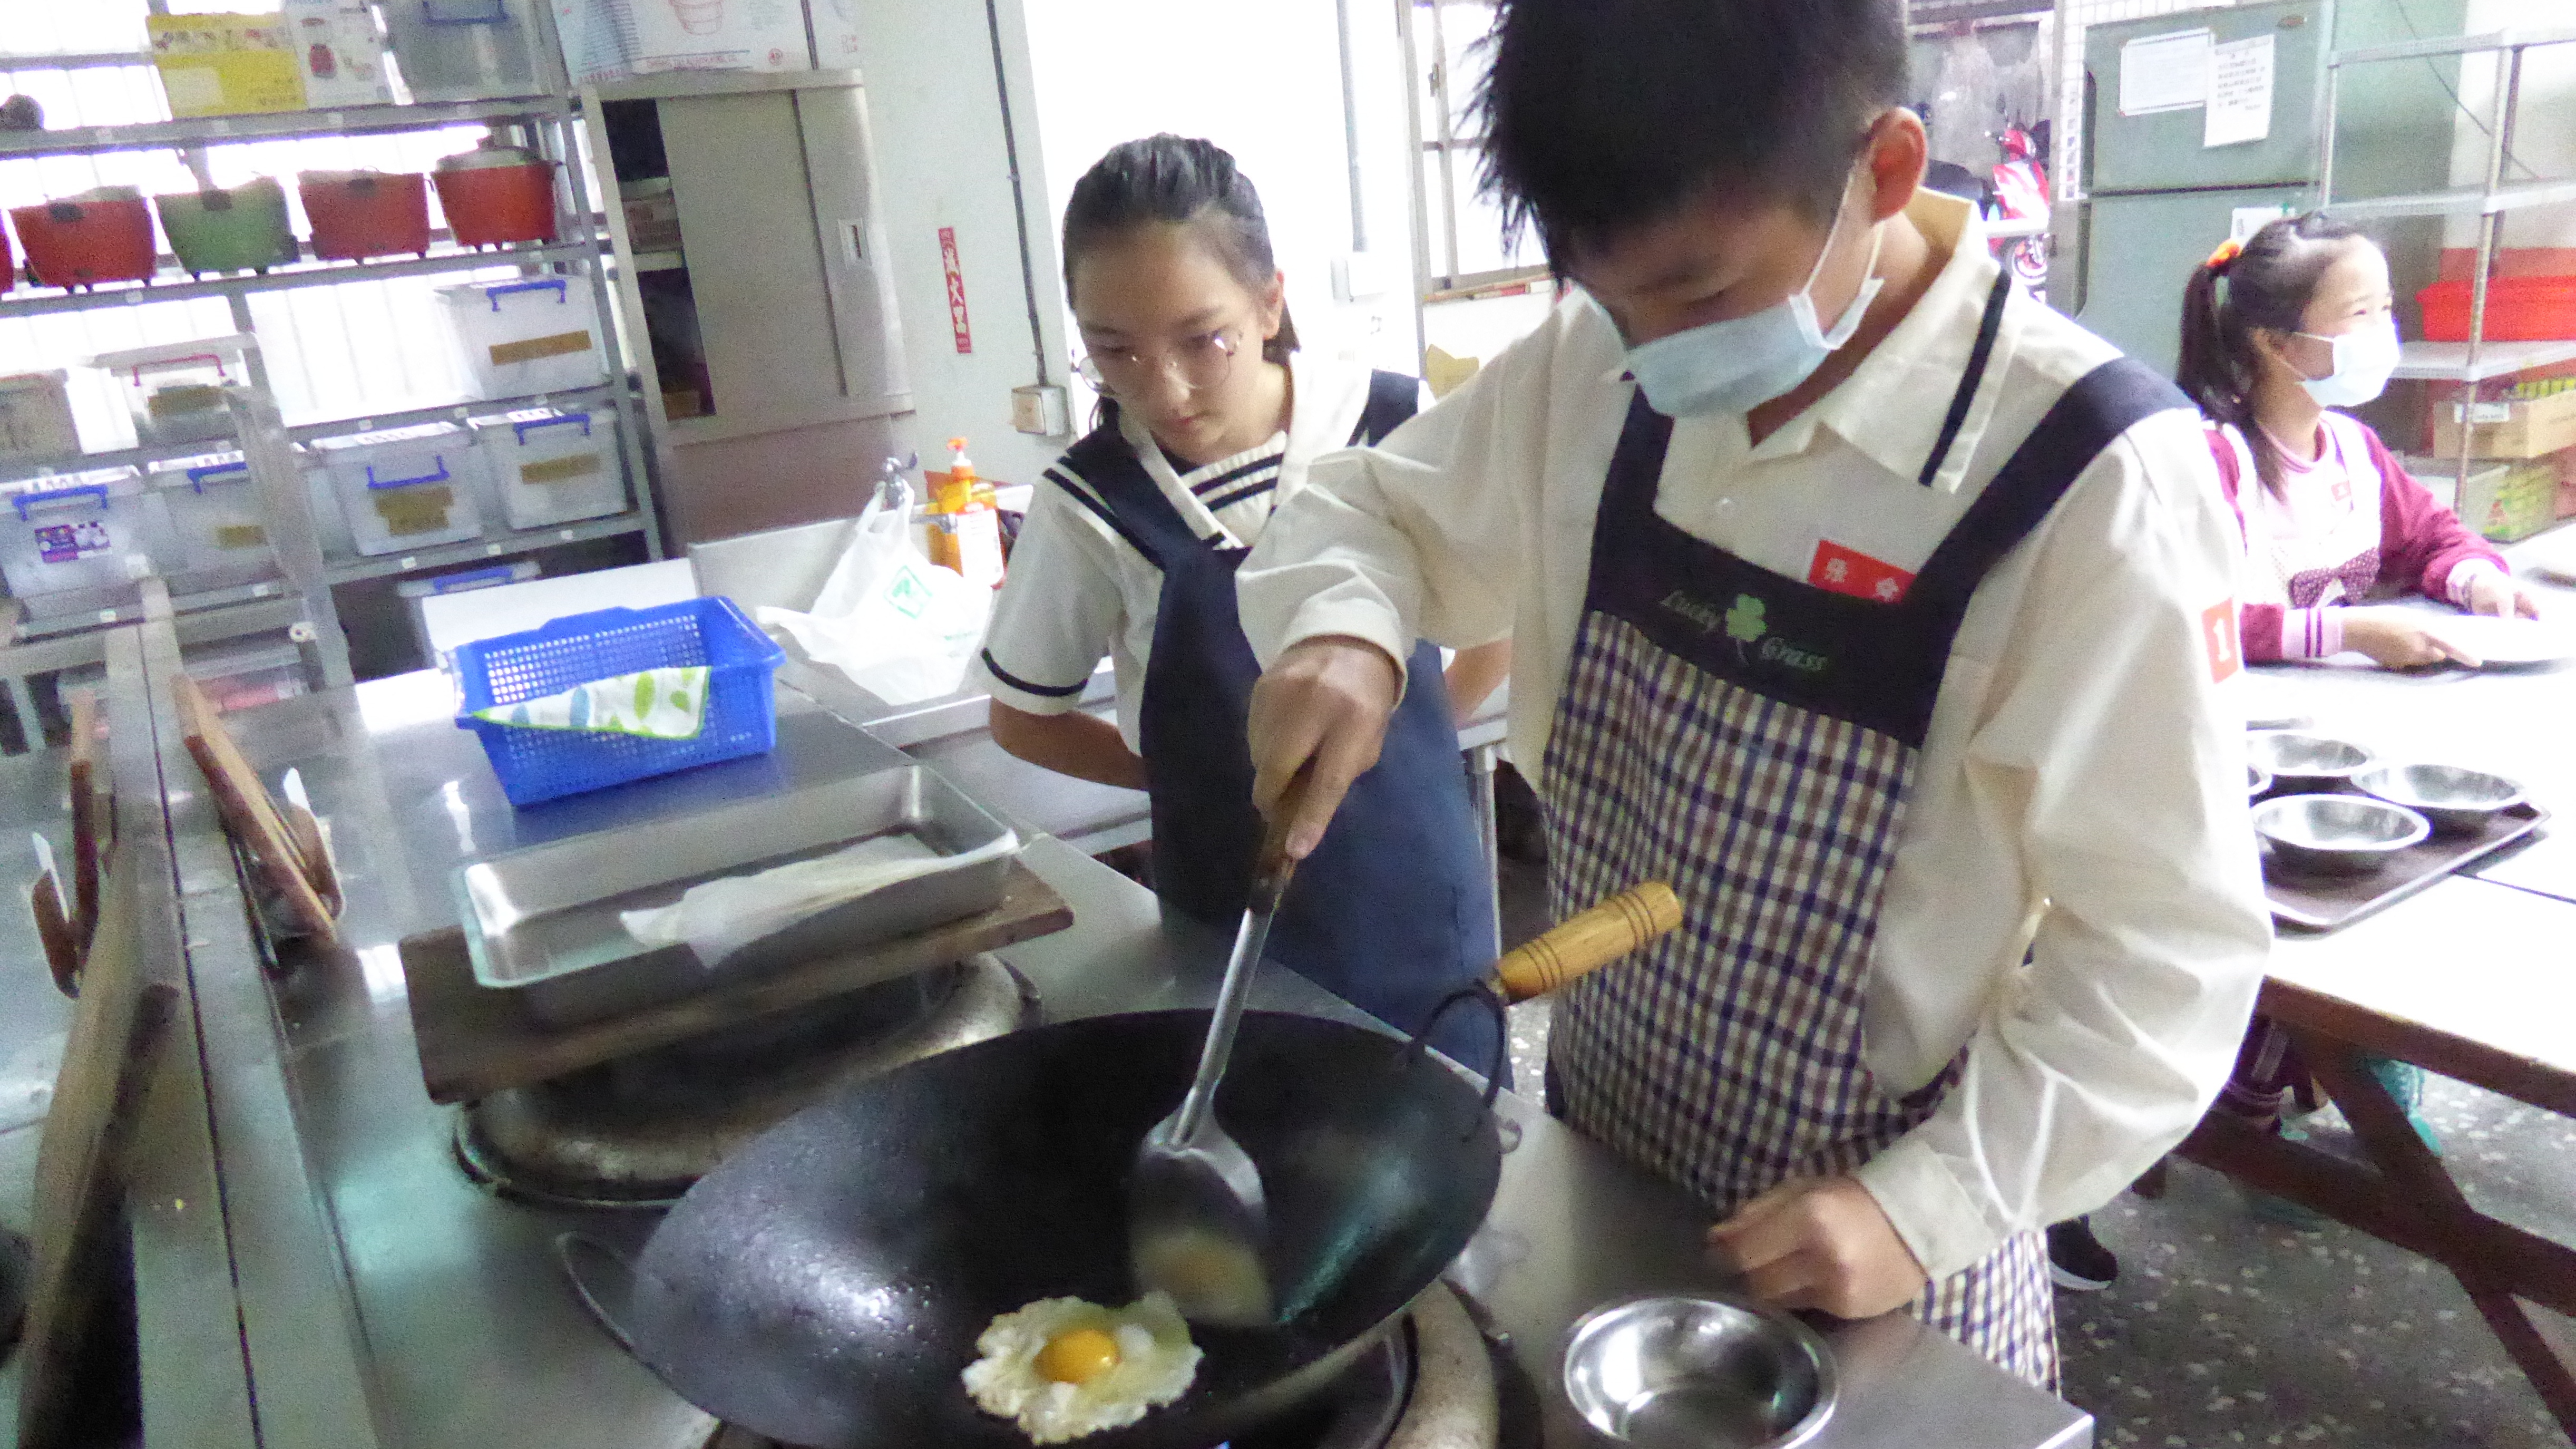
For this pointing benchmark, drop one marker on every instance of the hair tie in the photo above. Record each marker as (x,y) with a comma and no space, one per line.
(2228,251)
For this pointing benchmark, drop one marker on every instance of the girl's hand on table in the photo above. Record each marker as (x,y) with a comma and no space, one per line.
(2399,639)
(2497,594)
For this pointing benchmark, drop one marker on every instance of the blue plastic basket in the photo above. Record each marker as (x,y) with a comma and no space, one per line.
(539,765)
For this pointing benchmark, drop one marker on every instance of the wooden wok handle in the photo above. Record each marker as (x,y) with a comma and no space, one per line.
(1588,942)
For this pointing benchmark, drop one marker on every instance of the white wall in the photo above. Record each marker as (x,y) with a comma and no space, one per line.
(937,122)
(1263,79)
(2545,130)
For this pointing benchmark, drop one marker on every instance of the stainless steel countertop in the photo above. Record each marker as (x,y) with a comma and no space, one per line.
(467,1335)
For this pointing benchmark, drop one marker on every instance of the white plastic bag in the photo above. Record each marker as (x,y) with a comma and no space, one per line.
(901,627)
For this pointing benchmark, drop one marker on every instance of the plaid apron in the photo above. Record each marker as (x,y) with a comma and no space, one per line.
(1750,739)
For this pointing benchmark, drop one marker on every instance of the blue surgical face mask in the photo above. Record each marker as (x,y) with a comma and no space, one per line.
(1738,363)
(2364,360)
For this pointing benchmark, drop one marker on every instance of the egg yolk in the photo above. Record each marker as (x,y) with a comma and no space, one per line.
(1078,1357)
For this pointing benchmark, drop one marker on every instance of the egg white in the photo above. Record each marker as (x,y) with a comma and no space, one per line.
(1156,1362)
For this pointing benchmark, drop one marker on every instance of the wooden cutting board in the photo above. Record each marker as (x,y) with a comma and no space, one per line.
(256,821)
(475,1041)
(117,1022)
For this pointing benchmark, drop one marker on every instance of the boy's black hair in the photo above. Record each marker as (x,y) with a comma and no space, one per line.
(1600,115)
(1177,181)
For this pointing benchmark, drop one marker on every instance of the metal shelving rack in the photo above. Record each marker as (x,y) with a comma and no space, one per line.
(552,124)
(2477,360)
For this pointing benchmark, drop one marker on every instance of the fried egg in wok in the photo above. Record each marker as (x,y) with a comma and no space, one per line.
(1062,1368)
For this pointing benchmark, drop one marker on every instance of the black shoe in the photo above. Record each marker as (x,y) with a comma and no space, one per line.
(2078,1261)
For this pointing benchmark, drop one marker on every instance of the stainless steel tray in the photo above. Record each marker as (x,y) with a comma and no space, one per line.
(542,923)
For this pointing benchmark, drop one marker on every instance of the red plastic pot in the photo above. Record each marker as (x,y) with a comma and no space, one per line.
(84,243)
(497,205)
(368,215)
(8,264)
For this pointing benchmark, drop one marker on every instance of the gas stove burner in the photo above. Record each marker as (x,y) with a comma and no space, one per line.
(634,1133)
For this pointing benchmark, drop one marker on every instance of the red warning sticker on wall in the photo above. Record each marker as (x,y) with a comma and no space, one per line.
(1849,571)
(956,289)
(2218,636)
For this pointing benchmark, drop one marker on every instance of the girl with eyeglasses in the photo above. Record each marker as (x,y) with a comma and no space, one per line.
(2277,335)
(1210,418)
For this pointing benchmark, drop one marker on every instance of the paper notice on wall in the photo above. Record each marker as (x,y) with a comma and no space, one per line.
(2244,221)
(836,33)
(2168,72)
(2240,93)
(608,40)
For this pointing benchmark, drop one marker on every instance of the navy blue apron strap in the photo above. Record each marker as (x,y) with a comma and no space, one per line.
(2102,405)
(1988,327)
(1104,475)
(1393,399)
(1636,468)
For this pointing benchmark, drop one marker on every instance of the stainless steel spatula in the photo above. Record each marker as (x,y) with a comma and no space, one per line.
(1196,1217)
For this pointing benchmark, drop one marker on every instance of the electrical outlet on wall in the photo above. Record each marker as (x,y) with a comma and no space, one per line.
(1040,409)
(1358,276)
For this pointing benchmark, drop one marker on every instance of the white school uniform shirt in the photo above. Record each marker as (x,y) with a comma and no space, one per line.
(1077,592)
(2079,793)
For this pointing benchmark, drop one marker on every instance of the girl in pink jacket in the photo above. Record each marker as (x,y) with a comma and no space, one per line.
(2275,337)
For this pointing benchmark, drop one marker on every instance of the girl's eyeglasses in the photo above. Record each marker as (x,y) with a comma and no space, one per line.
(1200,363)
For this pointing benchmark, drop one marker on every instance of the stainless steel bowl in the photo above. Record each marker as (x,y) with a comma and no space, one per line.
(2454,799)
(2257,780)
(2301,761)
(1699,1372)
(2337,834)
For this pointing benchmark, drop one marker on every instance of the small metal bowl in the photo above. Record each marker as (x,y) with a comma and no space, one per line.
(1699,1372)
(2455,800)
(2301,761)
(2257,780)
(2337,834)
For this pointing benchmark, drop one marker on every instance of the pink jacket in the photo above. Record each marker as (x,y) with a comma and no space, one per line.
(2421,548)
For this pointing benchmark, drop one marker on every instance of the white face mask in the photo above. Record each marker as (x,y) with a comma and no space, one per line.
(2364,360)
(1738,363)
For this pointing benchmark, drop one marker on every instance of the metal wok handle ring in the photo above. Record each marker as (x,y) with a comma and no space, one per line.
(1482,995)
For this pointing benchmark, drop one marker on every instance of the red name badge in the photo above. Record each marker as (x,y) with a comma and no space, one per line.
(2218,638)
(1849,571)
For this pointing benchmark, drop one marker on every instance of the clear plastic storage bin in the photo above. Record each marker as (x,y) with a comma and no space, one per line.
(464,581)
(553,467)
(176,391)
(36,417)
(218,528)
(69,541)
(537,334)
(407,488)
(330,524)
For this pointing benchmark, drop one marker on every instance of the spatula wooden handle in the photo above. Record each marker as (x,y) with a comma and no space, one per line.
(54,934)
(1588,942)
(1271,866)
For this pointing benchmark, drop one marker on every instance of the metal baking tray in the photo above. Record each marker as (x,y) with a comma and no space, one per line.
(542,923)
(2324,903)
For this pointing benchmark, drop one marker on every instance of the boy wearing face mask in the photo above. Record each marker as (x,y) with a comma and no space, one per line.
(1881,610)
(2275,335)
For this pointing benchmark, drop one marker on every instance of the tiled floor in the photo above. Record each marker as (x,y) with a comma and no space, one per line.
(2226,1330)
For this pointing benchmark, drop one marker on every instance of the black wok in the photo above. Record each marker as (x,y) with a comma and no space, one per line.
(825,1285)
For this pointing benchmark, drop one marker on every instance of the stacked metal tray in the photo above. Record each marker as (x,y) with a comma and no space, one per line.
(542,923)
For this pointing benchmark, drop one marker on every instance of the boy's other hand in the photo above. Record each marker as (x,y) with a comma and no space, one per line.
(1326,700)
